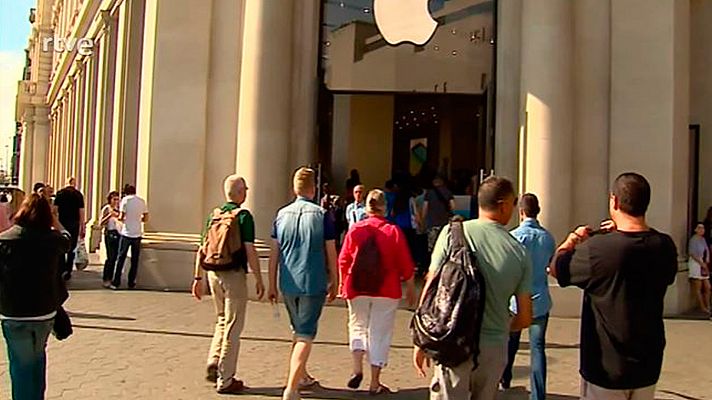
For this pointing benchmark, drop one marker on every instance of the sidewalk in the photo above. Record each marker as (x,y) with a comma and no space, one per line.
(150,345)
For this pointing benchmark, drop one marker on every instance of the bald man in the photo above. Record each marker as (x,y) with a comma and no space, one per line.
(229,288)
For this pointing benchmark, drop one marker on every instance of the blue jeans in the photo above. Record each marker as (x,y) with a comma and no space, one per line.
(537,345)
(124,244)
(304,313)
(26,344)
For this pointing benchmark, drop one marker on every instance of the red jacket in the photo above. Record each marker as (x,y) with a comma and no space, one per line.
(395,255)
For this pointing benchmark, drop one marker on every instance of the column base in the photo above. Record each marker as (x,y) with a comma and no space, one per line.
(168,259)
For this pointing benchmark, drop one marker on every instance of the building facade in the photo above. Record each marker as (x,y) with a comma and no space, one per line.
(561,96)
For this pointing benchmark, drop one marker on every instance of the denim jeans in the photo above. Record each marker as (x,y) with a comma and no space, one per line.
(26,350)
(537,345)
(111,241)
(124,244)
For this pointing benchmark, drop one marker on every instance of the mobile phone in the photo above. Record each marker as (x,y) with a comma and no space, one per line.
(599,231)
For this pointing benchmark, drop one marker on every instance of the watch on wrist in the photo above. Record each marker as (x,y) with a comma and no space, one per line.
(198,278)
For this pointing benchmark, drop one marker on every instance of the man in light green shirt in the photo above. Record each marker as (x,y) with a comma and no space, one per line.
(507,272)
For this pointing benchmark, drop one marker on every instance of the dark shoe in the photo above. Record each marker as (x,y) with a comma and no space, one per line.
(235,387)
(505,384)
(355,381)
(132,286)
(66,275)
(212,373)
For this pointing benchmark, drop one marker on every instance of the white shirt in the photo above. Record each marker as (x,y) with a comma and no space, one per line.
(133,208)
(112,224)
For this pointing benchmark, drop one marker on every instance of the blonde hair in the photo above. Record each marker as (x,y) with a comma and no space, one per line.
(304,180)
(376,202)
(233,185)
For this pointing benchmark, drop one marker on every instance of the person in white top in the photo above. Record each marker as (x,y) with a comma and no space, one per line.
(111,224)
(132,213)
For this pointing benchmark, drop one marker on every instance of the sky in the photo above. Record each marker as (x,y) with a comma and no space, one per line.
(14,32)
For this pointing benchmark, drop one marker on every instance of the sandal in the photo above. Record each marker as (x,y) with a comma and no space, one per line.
(307,382)
(355,381)
(382,389)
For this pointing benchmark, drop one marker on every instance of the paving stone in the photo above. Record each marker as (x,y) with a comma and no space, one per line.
(153,345)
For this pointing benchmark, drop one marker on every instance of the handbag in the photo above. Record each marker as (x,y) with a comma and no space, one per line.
(81,257)
(62,328)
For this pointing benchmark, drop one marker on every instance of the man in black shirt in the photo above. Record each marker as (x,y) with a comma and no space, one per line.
(70,206)
(624,274)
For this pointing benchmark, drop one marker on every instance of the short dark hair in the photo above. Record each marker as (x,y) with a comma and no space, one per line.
(37,186)
(529,203)
(35,213)
(493,190)
(129,189)
(633,193)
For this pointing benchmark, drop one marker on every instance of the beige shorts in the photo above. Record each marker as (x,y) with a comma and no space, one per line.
(589,391)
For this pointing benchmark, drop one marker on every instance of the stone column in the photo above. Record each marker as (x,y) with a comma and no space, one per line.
(102,135)
(223,99)
(264,123)
(305,82)
(649,114)
(89,133)
(547,46)
(172,137)
(508,104)
(592,83)
(77,136)
(40,146)
(26,153)
(126,100)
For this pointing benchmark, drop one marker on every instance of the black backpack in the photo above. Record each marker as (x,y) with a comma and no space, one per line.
(446,325)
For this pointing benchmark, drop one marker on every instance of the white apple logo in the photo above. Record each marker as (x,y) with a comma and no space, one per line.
(404,21)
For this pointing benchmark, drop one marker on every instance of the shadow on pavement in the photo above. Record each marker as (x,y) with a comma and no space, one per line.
(81,315)
(199,335)
(681,395)
(329,393)
(525,345)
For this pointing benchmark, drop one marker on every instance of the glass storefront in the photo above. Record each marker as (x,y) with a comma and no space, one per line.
(391,107)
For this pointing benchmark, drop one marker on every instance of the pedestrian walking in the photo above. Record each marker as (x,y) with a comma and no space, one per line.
(356,211)
(111,224)
(540,246)
(699,268)
(227,249)
(31,292)
(133,213)
(373,262)
(507,272)
(437,209)
(303,257)
(69,203)
(624,275)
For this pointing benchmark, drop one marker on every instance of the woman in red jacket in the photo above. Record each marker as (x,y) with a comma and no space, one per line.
(374,260)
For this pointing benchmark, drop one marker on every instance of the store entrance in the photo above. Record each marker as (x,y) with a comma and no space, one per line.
(404,136)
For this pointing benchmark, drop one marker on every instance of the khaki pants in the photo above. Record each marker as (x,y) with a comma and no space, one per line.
(229,290)
(462,383)
(589,391)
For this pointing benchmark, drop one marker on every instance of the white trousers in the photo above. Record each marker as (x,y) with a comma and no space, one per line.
(371,321)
